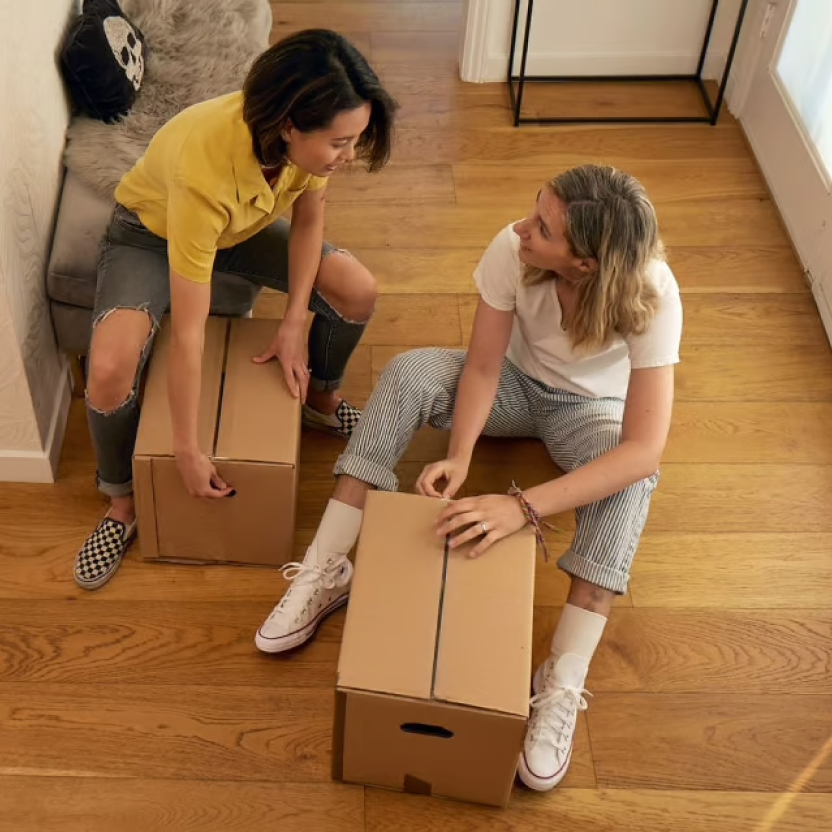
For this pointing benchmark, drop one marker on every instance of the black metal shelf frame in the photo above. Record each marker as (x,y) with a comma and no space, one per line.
(713,108)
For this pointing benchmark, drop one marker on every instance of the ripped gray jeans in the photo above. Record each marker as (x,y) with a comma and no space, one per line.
(133,273)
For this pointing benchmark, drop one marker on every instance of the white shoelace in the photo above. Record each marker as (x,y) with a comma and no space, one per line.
(556,710)
(334,573)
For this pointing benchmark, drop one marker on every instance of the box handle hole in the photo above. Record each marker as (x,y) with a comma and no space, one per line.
(427,730)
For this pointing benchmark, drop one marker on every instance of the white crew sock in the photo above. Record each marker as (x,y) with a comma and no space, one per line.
(336,534)
(578,633)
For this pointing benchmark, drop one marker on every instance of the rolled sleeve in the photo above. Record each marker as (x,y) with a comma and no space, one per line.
(499,271)
(659,346)
(316,183)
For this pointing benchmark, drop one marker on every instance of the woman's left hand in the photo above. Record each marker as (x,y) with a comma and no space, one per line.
(289,349)
(488,518)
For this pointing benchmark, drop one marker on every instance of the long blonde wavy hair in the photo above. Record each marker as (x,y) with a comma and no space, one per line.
(608,218)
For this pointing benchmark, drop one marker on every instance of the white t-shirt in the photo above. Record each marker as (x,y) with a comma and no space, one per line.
(540,348)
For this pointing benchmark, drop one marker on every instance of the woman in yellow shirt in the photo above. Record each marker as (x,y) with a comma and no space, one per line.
(208,195)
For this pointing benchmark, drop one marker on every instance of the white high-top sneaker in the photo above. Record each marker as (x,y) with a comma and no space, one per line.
(316,591)
(558,697)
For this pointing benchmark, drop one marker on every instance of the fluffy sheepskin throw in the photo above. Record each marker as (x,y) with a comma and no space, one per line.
(197,49)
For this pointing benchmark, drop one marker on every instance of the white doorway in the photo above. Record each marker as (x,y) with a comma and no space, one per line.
(787,116)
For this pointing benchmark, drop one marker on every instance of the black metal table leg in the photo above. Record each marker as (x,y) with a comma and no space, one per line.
(712,108)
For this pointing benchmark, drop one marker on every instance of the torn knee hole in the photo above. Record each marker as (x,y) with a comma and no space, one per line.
(350,311)
(142,307)
(104,410)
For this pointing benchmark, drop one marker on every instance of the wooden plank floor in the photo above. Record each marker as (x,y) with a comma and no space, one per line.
(145,706)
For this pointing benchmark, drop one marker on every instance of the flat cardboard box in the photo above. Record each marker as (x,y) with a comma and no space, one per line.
(249,424)
(435,668)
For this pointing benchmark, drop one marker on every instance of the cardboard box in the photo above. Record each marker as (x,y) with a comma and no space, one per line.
(250,425)
(435,667)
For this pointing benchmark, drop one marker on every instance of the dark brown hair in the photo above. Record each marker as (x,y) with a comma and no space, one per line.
(307,79)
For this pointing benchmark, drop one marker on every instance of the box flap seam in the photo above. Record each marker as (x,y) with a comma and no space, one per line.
(223,373)
(439,614)
(262,462)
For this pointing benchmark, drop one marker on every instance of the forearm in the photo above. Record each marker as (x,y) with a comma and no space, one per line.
(184,382)
(608,474)
(474,399)
(305,242)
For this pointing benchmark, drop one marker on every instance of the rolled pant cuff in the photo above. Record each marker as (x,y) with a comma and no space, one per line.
(325,386)
(367,471)
(594,573)
(120,490)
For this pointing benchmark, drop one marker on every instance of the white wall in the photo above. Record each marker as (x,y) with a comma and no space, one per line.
(34,390)
(597,37)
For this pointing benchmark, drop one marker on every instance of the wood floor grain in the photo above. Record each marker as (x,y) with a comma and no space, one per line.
(736,652)
(156,643)
(146,707)
(747,570)
(212,732)
(667,181)
(712,741)
(740,222)
(606,810)
(69,803)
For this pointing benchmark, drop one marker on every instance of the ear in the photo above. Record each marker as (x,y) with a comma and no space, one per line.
(587,266)
(287,131)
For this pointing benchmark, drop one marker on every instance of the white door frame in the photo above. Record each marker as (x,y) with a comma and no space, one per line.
(473,41)
(800,193)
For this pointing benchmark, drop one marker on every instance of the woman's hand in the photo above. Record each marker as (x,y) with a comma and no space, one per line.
(200,476)
(289,347)
(453,471)
(489,518)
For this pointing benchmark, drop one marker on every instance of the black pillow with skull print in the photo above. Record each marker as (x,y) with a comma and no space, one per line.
(102,61)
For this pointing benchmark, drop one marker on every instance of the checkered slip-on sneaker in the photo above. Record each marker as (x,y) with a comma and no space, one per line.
(341,423)
(100,557)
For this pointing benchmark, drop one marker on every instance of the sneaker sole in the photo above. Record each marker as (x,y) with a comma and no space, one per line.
(298,637)
(526,775)
(541,784)
(312,423)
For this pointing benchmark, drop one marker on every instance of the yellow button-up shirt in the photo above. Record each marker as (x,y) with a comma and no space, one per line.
(200,186)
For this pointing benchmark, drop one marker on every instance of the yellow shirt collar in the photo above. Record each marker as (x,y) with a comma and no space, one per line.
(251,184)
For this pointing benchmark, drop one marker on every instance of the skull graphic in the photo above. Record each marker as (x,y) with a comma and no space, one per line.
(126,47)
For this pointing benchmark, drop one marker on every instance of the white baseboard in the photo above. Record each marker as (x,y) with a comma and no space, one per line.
(41,466)
(495,67)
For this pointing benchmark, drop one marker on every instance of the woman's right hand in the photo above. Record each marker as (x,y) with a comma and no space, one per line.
(453,471)
(200,476)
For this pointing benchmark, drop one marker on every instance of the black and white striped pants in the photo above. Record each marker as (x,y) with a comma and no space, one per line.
(419,388)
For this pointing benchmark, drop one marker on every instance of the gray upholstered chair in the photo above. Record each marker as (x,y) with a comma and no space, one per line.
(221,39)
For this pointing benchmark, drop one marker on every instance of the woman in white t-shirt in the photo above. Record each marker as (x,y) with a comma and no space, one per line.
(575,340)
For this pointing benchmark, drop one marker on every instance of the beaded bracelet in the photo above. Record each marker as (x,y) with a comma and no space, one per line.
(532,518)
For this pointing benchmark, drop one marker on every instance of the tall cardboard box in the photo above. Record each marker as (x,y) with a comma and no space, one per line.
(435,668)
(249,424)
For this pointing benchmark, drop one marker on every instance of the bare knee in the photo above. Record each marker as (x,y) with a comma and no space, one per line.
(348,286)
(115,351)
(110,381)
